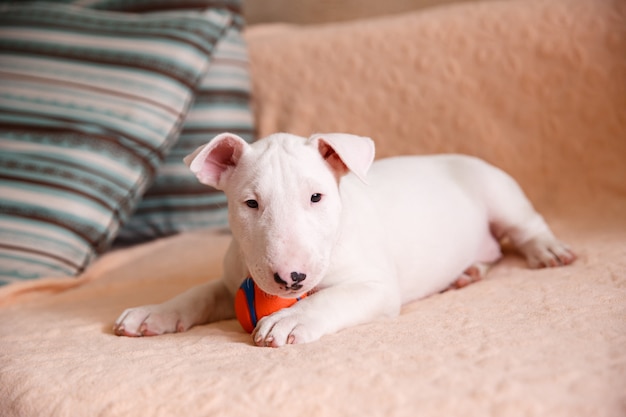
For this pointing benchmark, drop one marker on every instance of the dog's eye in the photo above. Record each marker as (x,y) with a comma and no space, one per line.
(252,204)
(315,198)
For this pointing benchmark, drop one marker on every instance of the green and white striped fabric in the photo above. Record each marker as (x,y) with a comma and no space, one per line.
(91,102)
(177,201)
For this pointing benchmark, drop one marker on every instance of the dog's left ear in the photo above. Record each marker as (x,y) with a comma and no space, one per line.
(344,152)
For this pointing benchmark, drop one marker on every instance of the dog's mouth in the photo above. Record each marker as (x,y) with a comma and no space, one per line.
(283,290)
(293,285)
(292,293)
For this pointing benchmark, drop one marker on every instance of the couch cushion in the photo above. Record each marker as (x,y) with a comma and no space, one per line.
(91,102)
(176,201)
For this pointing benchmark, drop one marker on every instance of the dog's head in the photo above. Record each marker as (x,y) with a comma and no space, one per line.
(283,200)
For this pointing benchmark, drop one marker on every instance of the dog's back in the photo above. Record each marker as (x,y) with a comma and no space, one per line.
(431,221)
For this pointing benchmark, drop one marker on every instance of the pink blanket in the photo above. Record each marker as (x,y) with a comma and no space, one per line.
(535,87)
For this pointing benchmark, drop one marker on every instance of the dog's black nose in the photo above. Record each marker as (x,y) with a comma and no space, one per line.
(296,278)
(279,280)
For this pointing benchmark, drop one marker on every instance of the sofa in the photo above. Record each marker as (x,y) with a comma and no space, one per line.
(537,88)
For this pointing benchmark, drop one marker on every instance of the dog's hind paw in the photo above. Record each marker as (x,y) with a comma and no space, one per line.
(546,251)
(471,275)
(147,321)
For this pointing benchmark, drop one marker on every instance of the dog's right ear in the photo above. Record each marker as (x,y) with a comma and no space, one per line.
(213,162)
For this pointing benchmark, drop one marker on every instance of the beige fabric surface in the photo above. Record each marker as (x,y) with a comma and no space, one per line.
(324,11)
(536,87)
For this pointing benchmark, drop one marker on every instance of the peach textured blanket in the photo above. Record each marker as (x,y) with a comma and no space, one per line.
(536,87)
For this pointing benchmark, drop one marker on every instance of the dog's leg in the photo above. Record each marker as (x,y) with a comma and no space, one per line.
(512,215)
(533,238)
(544,250)
(201,304)
(327,311)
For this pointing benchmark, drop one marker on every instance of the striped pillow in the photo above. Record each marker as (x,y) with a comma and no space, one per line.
(90,103)
(177,201)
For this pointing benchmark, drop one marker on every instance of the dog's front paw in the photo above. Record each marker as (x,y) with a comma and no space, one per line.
(151,320)
(546,251)
(284,327)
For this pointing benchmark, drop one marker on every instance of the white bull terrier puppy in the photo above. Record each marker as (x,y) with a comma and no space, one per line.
(304,218)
